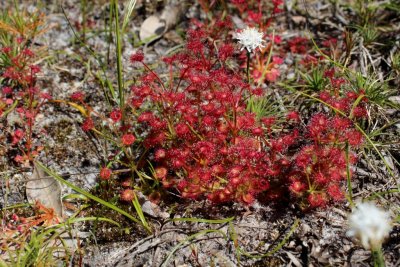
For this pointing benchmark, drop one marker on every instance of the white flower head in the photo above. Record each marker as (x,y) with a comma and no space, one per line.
(369,224)
(250,38)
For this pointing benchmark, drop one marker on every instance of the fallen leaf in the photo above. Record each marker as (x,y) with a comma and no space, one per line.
(299,19)
(171,15)
(151,29)
(293,259)
(44,189)
(155,26)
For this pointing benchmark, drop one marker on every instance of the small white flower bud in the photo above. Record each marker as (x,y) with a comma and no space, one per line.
(250,38)
(369,224)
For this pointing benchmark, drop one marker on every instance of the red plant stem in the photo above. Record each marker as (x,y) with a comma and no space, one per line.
(171,78)
(157,77)
(180,79)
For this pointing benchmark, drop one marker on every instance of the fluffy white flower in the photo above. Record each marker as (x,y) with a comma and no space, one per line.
(250,38)
(369,224)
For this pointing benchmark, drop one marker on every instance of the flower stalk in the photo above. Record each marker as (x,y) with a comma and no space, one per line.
(371,226)
(377,255)
(248,67)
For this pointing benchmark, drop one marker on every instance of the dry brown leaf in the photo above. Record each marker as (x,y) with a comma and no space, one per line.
(44,189)
(151,28)
(171,15)
(299,19)
(293,259)
(155,26)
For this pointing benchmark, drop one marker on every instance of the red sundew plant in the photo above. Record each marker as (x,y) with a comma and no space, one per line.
(205,143)
(258,13)
(105,173)
(264,66)
(19,91)
(337,94)
(324,164)
(195,128)
(21,94)
(321,166)
(255,13)
(298,45)
(127,195)
(17,231)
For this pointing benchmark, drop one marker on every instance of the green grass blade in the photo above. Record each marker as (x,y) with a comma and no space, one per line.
(197,220)
(118,55)
(203,232)
(188,239)
(290,88)
(277,247)
(127,14)
(84,219)
(88,195)
(234,237)
(93,54)
(381,194)
(10,109)
(3,263)
(139,212)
